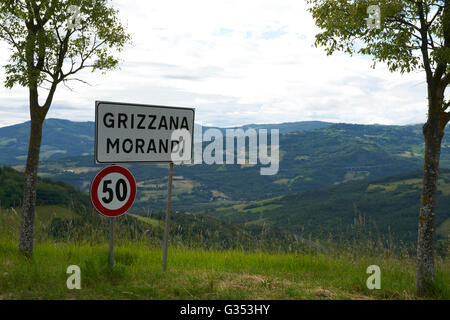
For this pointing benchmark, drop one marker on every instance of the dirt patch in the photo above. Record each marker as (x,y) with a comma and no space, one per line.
(252,278)
(241,281)
(8,263)
(403,295)
(323,293)
(357,296)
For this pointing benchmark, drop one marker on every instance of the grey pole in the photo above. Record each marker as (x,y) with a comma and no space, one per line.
(111,242)
(166,227)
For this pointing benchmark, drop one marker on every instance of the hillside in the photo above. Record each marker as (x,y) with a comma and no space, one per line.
(386,207)
(64,138)
(48,191)
(310,160)
(64,213)
(61,138)
(284,128)
(330,156)
(208,258)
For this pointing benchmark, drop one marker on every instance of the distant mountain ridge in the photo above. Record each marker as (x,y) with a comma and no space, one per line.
(312,156)
(309,160)
(61,138)
(326,178)
(65,138)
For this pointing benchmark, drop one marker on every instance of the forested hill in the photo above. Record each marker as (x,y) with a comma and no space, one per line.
(386,207)
(61,138)
(64,138)
(309,159)
(62,212)
(48,191)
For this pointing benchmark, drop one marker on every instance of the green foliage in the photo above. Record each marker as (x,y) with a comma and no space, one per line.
(48,192)
(191,231)
(46,50)
(399,41)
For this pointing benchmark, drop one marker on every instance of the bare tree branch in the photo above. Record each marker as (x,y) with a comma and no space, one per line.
(446,106)
(424,48)
(79,80)
(438,12)
(404,22)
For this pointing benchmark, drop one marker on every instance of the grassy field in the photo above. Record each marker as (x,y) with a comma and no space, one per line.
(10,220)
(203,274)
(197,273)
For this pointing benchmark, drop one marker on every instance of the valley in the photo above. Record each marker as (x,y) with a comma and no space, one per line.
(330,176)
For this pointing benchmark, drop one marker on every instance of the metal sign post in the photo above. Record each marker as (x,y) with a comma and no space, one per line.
(113,192)
(166,227)
(111,242)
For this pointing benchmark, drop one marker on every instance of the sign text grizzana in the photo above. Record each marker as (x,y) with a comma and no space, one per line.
(134,133)
(142,122)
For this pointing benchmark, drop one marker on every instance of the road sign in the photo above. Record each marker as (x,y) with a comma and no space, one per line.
(127,133)
(113,191)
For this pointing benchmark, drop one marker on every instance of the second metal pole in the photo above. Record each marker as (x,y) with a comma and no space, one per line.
(166,228)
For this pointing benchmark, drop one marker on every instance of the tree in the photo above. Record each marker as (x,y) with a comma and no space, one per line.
(414,34)
(51,41)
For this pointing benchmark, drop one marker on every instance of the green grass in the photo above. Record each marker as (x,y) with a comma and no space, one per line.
(444,228)
(356,175)
(202,274)
(444,187)
(10,219)
(197,273)
(153,222)
(263,208)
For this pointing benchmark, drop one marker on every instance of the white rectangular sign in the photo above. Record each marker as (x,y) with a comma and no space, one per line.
(139,133)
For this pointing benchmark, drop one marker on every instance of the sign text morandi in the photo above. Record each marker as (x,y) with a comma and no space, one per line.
(138,133)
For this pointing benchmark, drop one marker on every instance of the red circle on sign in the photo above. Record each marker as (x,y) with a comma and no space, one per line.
(96,183)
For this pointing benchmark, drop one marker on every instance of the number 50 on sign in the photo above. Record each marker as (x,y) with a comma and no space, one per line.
(113,191)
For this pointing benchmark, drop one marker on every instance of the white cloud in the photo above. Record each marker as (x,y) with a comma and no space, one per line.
(236,62)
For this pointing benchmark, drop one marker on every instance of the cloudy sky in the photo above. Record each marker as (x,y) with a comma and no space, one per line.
(236,62)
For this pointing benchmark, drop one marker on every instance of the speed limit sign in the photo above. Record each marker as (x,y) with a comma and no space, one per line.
(113,191)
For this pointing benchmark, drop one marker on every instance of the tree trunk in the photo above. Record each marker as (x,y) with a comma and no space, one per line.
(433,132)
(29,191)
